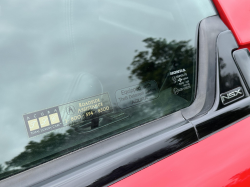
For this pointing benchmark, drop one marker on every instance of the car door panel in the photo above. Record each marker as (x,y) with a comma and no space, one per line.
(221,100)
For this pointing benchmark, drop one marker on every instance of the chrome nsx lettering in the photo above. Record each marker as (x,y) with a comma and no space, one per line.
(231,95)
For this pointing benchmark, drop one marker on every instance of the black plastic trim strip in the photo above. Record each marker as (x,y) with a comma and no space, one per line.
(137,155)
(209,30)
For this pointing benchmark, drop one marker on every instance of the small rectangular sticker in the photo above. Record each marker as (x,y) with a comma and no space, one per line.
(137,94)
(65,115)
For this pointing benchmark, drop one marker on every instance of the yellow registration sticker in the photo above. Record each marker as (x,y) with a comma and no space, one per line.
(50,119)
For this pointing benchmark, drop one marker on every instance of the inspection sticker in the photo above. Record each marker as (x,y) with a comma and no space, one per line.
(137,94)
(68,114)
(180,81)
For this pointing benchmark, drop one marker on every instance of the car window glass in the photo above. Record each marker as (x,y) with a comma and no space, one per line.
(77,72)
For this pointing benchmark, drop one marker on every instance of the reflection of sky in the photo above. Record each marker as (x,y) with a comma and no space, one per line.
(53,52)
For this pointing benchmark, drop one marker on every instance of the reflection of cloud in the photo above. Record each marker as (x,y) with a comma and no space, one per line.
(117,24)
(139,7)
(113,12)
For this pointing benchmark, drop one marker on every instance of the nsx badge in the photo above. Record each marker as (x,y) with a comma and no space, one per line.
(231,95)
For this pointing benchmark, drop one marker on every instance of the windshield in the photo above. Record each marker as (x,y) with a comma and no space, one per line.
(77,72)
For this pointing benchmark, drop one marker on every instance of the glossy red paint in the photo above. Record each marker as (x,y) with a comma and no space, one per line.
(222,160)
(236,15)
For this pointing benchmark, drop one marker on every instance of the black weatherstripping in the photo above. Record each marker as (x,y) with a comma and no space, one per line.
(208,31)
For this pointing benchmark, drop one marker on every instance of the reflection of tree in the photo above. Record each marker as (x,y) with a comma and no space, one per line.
(33,149)
(1,168)
(163,58)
